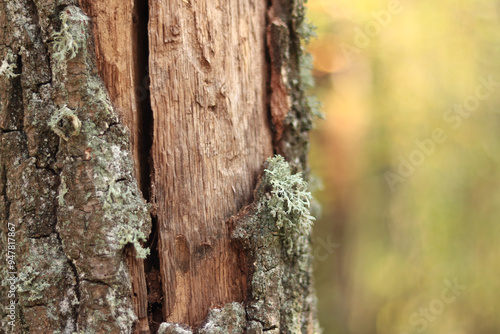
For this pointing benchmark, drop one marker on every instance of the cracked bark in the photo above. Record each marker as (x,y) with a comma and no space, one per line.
(189,80)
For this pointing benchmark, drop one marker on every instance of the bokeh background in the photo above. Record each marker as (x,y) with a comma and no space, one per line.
(409,157)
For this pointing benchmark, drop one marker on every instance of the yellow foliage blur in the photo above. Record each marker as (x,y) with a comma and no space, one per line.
(409,155)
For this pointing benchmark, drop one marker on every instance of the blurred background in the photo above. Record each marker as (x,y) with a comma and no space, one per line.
(409,157)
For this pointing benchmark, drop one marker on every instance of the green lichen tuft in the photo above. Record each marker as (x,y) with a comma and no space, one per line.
(290,199)
(71,37)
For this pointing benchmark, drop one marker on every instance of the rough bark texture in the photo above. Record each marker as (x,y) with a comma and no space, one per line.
(227,89)
(67,184)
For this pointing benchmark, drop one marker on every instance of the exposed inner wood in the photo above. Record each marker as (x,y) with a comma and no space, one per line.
(136,267)
(120,34)
(277,40)
(211,136)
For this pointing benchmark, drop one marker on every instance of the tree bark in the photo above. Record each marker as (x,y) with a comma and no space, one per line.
(126,125)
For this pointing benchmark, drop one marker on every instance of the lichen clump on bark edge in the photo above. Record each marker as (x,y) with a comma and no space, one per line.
(290,200)
(274,232)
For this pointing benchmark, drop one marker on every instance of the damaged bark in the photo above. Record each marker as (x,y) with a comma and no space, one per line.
(132,137)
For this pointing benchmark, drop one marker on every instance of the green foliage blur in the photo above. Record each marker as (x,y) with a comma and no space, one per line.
(409,155)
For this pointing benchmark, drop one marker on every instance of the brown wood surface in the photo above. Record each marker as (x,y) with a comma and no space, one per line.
(211,136)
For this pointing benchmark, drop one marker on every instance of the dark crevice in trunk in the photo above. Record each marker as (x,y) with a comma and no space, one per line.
(145,125)
(16,104)
(153,280)
(2,131)
(145,114)
(268,69)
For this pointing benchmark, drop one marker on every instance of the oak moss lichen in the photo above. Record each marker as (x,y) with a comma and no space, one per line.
(274,230)
(71,37)
(290,200)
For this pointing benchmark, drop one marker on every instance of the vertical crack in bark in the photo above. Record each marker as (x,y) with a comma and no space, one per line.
(153,280)
(144,112)
(151,265)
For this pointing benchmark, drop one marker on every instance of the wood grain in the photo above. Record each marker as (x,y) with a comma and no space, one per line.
(139,291)
(211,136)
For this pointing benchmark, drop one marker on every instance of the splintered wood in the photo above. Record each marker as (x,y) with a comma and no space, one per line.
(211,136)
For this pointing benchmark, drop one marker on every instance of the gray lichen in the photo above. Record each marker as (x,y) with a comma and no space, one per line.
(8,66)
(274,231)
(170,328)
(231,319)
(71,37)
(30,283)
(126,235)
(290,200)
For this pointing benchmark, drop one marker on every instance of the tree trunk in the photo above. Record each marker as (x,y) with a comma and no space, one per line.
(133,195)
